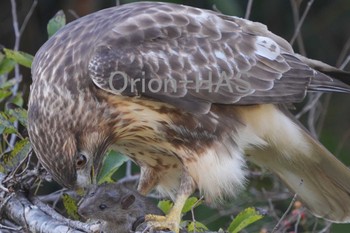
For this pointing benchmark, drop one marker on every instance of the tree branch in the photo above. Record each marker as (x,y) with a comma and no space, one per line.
(31,217)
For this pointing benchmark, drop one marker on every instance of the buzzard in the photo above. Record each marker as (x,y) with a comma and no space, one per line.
(189,95)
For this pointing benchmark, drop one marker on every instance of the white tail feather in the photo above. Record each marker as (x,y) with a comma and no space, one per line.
(310,170)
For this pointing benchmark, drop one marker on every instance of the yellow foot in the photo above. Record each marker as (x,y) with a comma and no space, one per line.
(169,222)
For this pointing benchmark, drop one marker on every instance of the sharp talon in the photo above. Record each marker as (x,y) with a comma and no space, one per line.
(163,222)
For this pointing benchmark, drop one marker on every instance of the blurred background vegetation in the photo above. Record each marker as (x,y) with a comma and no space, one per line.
(325,35)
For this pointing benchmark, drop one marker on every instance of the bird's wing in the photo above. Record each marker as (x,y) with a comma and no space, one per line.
(192,58)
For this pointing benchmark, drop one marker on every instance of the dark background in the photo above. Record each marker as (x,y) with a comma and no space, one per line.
(325,34)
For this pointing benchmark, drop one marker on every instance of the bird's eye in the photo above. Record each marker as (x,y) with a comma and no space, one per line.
(80,161)
(102,206)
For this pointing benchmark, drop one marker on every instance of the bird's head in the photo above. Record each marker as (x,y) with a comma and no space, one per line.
(69,136)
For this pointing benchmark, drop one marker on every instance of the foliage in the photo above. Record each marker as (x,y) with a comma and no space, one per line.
(13,154)
(57,22)
(111,163)
(19,57)
(71,206)
(243,219)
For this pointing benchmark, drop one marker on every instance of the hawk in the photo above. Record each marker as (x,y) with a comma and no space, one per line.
(189,95)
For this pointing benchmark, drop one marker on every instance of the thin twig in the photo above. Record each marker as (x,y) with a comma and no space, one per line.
(249,9)
(343,53)
(298,221)
(314,115)
(192,213)
(18,31)
(29,14)
(16,229)
(128,169)
(73,13)
(272,208)
(326,228)
(15,24)
(296,15)
(18,76)
(322,117)
(132,178)
(345,63)
(298,27)
(285,213)
(315,226)
(312,101)
(342,142)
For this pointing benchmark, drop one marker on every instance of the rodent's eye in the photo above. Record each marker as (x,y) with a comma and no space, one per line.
(80,160)
(102,206)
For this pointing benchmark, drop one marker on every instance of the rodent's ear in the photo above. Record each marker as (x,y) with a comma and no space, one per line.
(127,201)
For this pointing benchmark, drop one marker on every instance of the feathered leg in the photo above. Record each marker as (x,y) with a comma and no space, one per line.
(172,220)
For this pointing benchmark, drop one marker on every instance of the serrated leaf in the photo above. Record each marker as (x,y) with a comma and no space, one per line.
(20,57)
(196,227)
(165,206)
(110,165)
(55,23)
(19,114)
(189,204)
(6,66)
(71,206)
(243,219)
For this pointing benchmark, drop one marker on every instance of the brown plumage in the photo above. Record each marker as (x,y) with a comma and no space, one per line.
(99,84)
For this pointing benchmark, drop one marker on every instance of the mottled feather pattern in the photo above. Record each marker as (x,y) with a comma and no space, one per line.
(199,55)
(203,45)
(230,77)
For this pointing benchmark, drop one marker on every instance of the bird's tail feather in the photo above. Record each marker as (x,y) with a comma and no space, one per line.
(328,78)
(320,180)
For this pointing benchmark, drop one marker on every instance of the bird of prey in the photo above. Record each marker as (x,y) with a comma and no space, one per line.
(189,95)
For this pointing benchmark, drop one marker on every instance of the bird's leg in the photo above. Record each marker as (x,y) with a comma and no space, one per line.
(148,179)
(172,220)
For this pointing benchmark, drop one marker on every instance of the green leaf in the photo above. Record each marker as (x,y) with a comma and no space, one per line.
(21,58)
(20,151)
(196,227)
(71,206)
(57,22)
(111,163)
(165,206)
(21,148)
(189,204)
(6,123)
(4,94)
(18,100)
(8,84)
(6,66)
(19,114)
(243,219)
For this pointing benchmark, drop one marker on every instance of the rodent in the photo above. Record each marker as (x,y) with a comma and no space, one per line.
(119,208)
